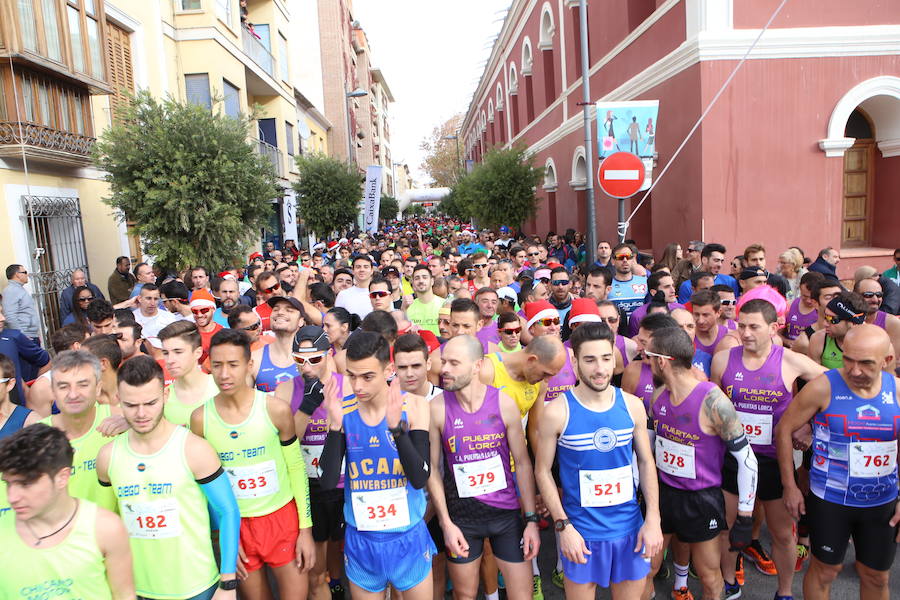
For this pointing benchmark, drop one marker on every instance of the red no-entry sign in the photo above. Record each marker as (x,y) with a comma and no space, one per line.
(621,174)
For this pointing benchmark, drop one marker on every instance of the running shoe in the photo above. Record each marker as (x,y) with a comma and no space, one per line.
(802,556)
(761,560)
(777,597)
(558,579)
(537,590)
(682,594)
(665,571)
(732,591)
(739,570)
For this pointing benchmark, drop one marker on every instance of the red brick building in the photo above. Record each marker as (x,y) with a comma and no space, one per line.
(803,148)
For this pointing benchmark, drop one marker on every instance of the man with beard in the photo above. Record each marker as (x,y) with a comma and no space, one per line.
(560,285)
(477,429)
(596,431)
(229,297)
(274,362)
(662,290)
(202,307)
(267,287)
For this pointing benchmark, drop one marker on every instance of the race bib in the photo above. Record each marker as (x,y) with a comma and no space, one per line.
(311,456)
(380,510)
(675,459)
(757,427)
(254,481)
(606,487)
(480,477)
(152,520)
(872,459)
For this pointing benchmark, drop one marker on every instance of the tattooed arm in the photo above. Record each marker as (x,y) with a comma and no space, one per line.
(719,410)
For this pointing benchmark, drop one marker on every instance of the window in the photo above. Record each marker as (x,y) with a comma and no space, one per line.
(93,35)
(2,100)
(118,56)
(197,89)
(283,58)
(232,100)
(28,24)
(51,29)
(189,4)
(77,38)
(289,136)
(223,11)
(47,117)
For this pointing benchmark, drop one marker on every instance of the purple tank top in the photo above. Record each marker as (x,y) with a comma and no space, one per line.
(644,389)
(686,457)
(477,437)
(620,344)
(711,349)
(760,397)
(796,322)
(562,381)
(313,439)
(880,319)
(730,325)
(487,335)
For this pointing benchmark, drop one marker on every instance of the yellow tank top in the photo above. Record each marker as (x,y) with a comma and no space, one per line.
(71,570)
(522,392)
(178,412)
(84,483)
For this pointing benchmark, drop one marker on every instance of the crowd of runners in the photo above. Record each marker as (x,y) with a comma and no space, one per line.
(406,411)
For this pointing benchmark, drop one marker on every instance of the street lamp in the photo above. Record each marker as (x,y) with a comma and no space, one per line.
(357,93)
(454,137)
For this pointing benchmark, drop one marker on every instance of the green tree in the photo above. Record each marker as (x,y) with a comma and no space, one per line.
(500,190)
(328,193)
(195,189)
(441,161)
(454,205)
(388,208)
(414,210)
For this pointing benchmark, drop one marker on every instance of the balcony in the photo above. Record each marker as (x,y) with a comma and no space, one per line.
(257,51)
(273,154)
(39,142)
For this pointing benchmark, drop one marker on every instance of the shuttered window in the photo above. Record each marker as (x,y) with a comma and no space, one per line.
(197,89)
(121,73)
(289,137)
(232,99)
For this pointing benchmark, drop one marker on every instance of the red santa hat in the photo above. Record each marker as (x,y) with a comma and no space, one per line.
(535,311)
(584,310)
(202,298)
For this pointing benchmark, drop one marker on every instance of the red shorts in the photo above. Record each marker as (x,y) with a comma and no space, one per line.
(271,539)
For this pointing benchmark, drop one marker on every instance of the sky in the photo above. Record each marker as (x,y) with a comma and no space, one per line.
(432,54)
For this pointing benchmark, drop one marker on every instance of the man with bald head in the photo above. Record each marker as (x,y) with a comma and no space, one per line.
(853,474)
(475,428)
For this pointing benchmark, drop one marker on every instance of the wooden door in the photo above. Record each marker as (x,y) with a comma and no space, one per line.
(858,184)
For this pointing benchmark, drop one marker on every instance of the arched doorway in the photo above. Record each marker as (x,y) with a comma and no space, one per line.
(859,179)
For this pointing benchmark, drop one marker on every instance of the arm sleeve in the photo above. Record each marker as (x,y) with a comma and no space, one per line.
(299,482)
(331,459)
(748,472)
(221,499)
(412,447)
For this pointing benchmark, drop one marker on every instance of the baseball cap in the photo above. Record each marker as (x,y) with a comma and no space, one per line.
(504,229)
(751,272)
(289,299)
(390,271)
(507,293)
(314,334)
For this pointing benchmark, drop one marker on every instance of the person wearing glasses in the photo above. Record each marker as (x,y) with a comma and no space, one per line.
(304,394)
(482,275)
(81,299)
(843,312)
(381,293)
(18,305)
(274,362)
(149,316)
(689,264)
(872,293)
(267,287)
(181,349)
(203,306)
(78,279)
(627,290)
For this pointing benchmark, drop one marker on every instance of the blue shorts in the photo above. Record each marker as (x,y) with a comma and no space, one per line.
(372,560)
(611,561)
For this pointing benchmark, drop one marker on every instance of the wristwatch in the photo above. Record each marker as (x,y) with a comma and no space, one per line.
(531,517)
(561,524)
(401,428)
(228,585)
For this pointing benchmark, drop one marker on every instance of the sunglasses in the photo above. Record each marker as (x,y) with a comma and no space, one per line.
(549,321)
(728,302)
(665,356)
(624,256)
(873,294)
(5,379)
(534,254)
(201,311)
(511,331)
(253,327)
(559,282)
(835,319)
(22,273)
(274,288)
(379,294)
(609,320)
(313,360)
(89,298)
(484,266)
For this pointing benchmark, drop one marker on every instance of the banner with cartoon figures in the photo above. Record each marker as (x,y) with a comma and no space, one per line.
(628,127)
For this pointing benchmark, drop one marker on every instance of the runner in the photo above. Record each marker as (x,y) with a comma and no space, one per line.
(821,291)
(702,360)
(356,298)
(802,312)
(602,537)
(163,477)
(13,417)
(705,306)
(638,378)
(478,430)
(203,305)
(695,423)
(843,312)
(728,304)
(612,316)
(192,387)
(386,540)
(273,363)
(661,290)
(758,376)
(853,477)
(56,545)
(255,437)
(872,293)
(627,290)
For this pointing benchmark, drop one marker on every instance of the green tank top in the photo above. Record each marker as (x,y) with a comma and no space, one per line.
(832,355)
(425,315)
(165,513)
(84,483)
(71,570)
(180,413)
(251,456)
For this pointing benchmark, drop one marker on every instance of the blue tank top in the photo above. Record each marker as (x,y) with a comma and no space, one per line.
(595,454)
(270,376)
(702,361)
(854,446)
(378,498)
(15,422)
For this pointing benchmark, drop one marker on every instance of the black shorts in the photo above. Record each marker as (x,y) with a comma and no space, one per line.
(692,515)
(832,525)
(437,534)
(327,508)
(768,484)
(504,532)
